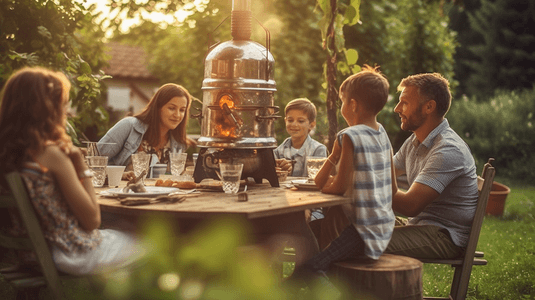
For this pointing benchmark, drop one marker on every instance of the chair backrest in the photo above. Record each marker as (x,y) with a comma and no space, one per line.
(484,186)
(18,199)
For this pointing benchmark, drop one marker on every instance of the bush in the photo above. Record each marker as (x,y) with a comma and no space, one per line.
(503,128)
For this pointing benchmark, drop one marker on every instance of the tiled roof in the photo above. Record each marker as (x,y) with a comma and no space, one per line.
(127,62)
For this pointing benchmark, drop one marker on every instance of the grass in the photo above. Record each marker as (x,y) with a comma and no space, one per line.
(509,245)
(508,242)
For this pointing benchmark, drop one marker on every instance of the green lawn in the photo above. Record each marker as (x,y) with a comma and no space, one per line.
(508,243)
(509,246)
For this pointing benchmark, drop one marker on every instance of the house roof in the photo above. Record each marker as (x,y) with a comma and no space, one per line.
(128,62)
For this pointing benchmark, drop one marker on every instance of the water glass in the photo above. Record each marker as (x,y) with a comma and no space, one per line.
(98,165)
(230,175)
(178,163)
(140,162)
(92,149)
(314,164)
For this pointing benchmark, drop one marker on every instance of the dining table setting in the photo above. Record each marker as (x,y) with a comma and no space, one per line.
(275,215)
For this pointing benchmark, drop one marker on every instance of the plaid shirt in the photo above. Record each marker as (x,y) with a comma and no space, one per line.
(371,208)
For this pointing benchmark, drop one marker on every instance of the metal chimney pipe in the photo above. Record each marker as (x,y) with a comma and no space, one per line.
(241,20)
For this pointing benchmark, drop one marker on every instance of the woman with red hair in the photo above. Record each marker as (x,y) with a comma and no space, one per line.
(33,141)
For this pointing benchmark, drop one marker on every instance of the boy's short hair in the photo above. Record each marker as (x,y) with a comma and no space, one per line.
(304,105)
(369,87)
(431,86)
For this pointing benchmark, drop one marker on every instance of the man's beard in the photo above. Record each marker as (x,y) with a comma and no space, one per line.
(414,121)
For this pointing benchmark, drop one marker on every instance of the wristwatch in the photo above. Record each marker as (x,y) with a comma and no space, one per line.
(85,174)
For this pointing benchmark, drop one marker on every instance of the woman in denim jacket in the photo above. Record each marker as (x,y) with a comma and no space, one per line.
(159,129)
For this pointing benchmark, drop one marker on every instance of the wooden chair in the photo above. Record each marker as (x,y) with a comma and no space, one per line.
(463,265)
(28,279)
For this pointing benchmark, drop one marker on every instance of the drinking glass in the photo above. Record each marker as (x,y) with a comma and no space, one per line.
(314,164)
(178,163)
(98,164)
(140,162)
(92,149)
(115,173)
(230,175)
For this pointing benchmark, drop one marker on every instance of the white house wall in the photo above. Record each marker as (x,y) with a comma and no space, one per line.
(121,96)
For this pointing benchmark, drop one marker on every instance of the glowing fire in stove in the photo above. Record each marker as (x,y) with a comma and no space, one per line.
(226,124)
(226,99)
(226,131)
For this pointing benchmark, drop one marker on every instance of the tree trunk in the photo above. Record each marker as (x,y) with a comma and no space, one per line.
(332,91)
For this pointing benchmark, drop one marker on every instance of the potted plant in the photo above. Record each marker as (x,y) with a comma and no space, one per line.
(497,197)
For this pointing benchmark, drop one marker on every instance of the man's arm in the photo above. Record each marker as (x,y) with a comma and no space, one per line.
(414,201)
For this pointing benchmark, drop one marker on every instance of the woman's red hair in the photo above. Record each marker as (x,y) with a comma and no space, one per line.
(32,114)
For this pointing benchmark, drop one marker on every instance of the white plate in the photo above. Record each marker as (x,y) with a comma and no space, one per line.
(151,191)
(301,181)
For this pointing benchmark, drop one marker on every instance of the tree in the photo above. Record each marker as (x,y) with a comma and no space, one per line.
(53,34)
(506,53)
(335,15)
(466,37)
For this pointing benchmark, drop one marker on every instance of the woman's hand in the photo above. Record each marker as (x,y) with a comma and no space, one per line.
(76,156)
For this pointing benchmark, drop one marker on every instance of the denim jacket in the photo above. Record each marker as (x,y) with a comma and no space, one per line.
(127,135)
(310,147)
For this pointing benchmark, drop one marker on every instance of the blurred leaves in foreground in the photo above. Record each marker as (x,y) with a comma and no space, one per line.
(210,262)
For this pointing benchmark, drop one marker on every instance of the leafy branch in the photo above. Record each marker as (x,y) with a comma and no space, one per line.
(335,16)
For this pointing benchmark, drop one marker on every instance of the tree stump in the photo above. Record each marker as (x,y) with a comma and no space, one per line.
(391,277)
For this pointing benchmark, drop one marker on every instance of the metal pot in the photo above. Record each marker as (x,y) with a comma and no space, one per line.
(238,97)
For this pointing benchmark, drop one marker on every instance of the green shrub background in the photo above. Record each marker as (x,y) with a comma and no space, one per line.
(502,127)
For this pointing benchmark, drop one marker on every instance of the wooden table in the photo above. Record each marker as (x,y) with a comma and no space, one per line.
(275,214)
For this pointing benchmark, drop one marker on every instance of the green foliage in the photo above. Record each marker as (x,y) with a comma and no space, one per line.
(509,247)
(503,55)
(502,127)
(123,10)
(336,14)
(297,75)
(466,37)
(404,37)
(207,263)
(59,35)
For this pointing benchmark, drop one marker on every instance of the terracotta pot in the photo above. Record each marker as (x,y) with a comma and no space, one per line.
(497,197)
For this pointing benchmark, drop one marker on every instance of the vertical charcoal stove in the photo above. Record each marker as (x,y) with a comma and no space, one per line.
(238,112)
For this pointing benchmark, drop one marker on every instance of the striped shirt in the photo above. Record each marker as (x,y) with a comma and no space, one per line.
(443,162)
(370,210)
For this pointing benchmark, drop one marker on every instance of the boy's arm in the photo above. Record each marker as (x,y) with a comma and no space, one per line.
(343,179)
(328,167)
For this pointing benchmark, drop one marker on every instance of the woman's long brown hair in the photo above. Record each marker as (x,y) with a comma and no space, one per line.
(32,113)
(151,114)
